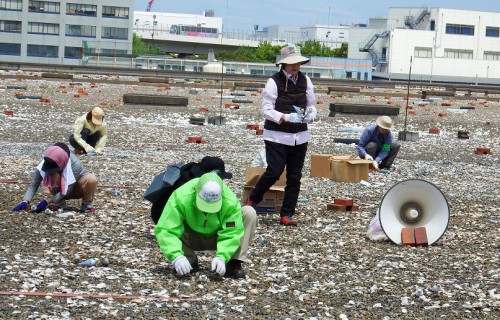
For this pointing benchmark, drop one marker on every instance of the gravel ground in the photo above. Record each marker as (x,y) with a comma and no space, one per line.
(325,268)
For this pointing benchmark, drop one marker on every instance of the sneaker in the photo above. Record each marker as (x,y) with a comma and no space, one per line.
(234,270)
(288,221)
(87,208)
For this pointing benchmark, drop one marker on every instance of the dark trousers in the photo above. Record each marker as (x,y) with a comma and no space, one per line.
(373,149)
(91,139)
(278,157)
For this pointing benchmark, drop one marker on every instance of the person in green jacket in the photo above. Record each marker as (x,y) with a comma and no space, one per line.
(204,214)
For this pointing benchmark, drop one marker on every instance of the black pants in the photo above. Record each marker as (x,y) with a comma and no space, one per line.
(373,149)
(91,139)
(278,157)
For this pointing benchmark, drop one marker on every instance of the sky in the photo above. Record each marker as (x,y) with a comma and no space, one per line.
(243,15)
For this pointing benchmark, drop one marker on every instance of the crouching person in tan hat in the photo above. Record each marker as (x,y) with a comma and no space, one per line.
(63,176)
(90,133)
(204,214)
(376,143)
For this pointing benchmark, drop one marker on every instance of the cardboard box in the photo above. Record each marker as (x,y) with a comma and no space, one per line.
(273,198)
(320,165)
(348,169)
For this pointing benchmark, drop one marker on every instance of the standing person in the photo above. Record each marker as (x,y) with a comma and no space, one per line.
(90,132)
(63,176)
(285,130)
(376,143)
(204,214)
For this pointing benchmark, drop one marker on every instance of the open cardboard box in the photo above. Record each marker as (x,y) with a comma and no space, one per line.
(273,198)
(341,168)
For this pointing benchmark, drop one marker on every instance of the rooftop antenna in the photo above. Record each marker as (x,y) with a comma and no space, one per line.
(407,135)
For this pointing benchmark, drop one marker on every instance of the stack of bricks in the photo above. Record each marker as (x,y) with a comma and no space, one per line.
(342,204)
(414,237)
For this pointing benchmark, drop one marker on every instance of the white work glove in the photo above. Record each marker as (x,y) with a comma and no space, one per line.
(219,266)
(294,117)
(309,117)
(89,149)
(182,265)
(375,164)
(368,157)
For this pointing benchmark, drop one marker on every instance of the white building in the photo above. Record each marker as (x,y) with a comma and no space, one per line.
(331,36)
(59,32)
(442,43)
(151,25)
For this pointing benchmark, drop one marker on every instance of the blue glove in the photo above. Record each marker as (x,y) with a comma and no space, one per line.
(21,206)
(294,117)
(41,206)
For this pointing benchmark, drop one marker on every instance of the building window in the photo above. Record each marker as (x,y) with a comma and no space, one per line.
(423,52)
(114,33)
(81,9)
(35,50)
(74,30)
(44,6)
(73,52)
(492,55)
(10,49)
(113,52)
(43,28)
(458,54)
(10,26)
(460,29)
(492,32)
(433,25)
(114,12)
(16,5)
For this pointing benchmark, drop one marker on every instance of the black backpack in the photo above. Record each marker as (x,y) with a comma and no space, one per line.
(165,183)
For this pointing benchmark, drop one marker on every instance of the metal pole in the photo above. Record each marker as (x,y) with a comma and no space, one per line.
(408,94)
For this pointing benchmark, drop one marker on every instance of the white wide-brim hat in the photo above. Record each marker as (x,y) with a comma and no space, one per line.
(289,56)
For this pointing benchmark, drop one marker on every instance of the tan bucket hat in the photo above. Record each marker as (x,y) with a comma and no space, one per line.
(291,55)
(385,122)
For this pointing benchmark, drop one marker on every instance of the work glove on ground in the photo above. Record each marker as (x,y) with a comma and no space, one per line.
(181,265)
(368,157)
(41,206)
(21,206)
(294,118)
(219,266)
(91,154)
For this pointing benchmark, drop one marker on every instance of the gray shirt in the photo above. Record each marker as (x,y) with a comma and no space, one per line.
(78,172)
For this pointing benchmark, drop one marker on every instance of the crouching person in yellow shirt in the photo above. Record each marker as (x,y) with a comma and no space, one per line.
(204,214)
(90,133)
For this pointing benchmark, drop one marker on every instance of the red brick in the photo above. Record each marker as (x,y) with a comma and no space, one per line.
(343,201)
(8,112)
(354,207)
(195,140)
(253,126)
(482,151)
(335,207)
(203,109)
(421,237)
(259,132)
(408,237)
(434,130)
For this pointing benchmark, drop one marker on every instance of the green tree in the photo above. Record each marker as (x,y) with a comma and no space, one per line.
(139,47)
(342,51)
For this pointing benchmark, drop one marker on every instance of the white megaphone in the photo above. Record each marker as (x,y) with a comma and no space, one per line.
(413,204)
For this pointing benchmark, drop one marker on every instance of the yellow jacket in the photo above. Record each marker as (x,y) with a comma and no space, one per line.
(82,123)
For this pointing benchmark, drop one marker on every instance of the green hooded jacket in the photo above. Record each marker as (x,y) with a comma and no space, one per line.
(181,210)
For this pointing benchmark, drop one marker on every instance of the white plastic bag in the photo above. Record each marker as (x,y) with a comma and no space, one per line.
(375,232)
